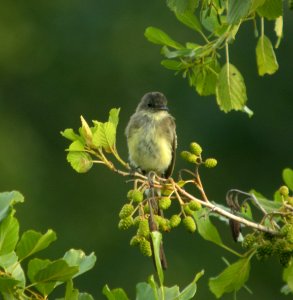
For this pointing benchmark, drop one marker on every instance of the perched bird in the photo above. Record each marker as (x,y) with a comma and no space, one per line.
(151,136)
(152,141)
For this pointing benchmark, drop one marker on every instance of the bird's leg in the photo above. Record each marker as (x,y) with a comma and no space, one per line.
(152,224)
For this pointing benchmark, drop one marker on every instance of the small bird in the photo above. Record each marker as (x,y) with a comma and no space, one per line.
(151,136)
(152,141)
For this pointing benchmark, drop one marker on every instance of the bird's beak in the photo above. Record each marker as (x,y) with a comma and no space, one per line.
(163,107)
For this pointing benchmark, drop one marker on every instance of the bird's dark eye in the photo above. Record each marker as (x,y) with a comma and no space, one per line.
(150,105)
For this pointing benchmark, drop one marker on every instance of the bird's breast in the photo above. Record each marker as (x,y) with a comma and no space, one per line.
(149,148)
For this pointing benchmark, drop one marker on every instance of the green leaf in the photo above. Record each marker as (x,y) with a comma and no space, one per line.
(159,37)
(144,291)
(114,116)
(230,89)
(76,146)
(154,286)
(182,6)
(104,136)
(206,228)
(238,10)
(231,279)
(7,283)
(268,205)
(34,266)
(7,200)
(156,241)
(288,178)
(286,290)
(9,234)
(172,64)
(190,290)
(46,274)
(288,276)
(255,4)
(85,296)
(190,53)
(271,9)
(170,292)
(73,294)
(190,20)
(70,134)
(78,258)
(279,30)
(210,19)
(265,56)
(115,294)
(205,78)
(9,262)
(81,162)
(57,270)
(32,242)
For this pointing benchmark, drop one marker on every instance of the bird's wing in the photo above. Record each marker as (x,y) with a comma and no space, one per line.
(172,132)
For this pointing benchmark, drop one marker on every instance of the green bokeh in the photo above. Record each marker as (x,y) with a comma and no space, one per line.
(61,59)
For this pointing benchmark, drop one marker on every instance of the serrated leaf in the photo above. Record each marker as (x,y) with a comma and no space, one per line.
(230,89)
(156,242)
(182,6)
(238,10)
(268,205)
(7,200)
(190,20)
(157,36)
(9,234)
(32,242)
(265,56)
(271,9)
(206,77)
(206,228)
(81,162)
(231,279)
(70,134)
(104,136)
(80,259)
(172,64)
(115,294)
(287,175)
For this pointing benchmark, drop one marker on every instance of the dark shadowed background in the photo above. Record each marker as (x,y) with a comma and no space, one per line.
(61,59)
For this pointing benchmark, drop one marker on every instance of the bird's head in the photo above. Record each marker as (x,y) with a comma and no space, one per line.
(153,102)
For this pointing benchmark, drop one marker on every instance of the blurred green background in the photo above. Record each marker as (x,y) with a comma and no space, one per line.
(61,59)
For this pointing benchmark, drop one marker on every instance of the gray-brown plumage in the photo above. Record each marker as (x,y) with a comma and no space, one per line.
(151,136)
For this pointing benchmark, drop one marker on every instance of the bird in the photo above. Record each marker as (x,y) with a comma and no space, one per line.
(152,142)
(151,136)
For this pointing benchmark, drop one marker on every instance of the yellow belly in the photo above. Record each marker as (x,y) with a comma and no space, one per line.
(149,150)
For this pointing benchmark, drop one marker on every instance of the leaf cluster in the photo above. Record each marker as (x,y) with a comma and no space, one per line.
(217,23)
(42,275)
